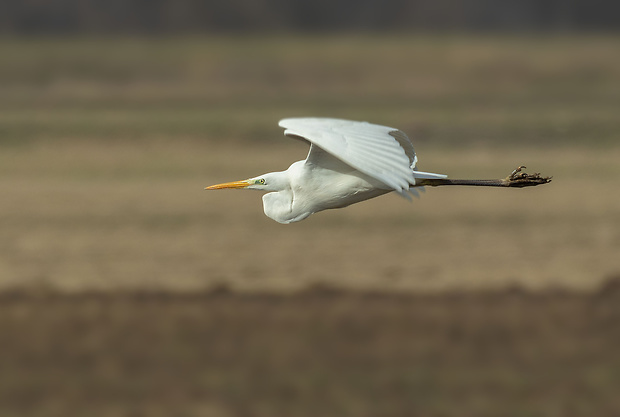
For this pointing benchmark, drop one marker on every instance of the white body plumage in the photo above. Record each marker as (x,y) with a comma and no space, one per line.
(348,162)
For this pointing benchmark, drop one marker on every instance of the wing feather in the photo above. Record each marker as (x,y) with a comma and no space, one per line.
(383,153)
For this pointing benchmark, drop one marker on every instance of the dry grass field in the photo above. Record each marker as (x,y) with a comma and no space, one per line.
(126,289)
(107,145)
(109,217)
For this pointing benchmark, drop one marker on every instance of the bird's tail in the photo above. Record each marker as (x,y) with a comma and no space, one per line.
(428,175)
(416,189)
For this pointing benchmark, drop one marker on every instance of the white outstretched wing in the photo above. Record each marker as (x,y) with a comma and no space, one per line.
(381,152)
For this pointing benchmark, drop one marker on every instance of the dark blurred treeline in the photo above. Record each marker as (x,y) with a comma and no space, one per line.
(24,17)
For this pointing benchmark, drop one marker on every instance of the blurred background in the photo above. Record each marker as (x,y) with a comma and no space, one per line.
(125,289)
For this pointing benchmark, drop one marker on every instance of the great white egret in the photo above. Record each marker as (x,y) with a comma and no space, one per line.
(350,162)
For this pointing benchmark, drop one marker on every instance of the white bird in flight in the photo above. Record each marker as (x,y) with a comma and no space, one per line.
(349,162)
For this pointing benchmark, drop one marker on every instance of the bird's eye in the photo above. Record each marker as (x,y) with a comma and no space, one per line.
(261,181)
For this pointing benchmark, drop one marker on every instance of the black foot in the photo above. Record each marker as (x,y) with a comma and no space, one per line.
(518,178)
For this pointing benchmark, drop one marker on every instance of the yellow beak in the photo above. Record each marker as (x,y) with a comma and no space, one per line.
(234,184)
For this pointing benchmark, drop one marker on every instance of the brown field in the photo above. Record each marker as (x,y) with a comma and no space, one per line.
(464,302)
(320,352)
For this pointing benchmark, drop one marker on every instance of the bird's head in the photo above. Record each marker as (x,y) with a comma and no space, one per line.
(273,181)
